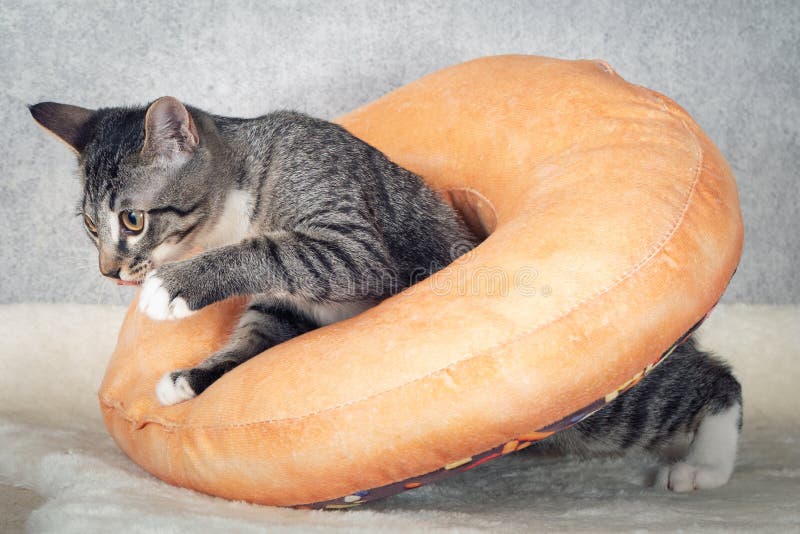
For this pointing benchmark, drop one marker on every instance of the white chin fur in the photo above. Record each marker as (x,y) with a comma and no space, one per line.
(169,392)
(154,302)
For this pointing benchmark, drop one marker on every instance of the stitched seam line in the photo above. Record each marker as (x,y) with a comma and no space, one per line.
(628,274)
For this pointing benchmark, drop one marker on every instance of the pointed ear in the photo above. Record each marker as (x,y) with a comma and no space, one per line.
(169,130)
(64,121)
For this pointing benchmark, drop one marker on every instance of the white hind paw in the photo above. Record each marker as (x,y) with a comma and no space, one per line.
(174,388)
(683,476)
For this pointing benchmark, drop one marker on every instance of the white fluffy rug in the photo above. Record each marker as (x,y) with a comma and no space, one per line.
(52,441)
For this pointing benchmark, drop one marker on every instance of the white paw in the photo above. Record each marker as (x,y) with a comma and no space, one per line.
(171,391)
(154,302)
(683,476)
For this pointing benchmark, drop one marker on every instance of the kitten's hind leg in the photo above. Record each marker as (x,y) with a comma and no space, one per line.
(687,410)
(265,323)
(711,457)
(714,434)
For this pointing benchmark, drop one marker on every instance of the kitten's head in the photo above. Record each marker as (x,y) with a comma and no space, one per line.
(144,173)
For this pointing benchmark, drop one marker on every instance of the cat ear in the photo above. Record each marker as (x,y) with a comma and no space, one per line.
(66,122)
(169,129)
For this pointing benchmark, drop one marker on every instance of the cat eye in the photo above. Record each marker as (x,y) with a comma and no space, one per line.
(132,220)
(89,224)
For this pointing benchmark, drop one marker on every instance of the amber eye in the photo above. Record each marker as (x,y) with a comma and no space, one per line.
(132,220)
(89,224)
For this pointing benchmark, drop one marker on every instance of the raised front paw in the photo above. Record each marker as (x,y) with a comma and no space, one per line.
(158,299)
(175,387)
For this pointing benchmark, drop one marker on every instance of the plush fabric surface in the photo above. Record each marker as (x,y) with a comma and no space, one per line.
(52,441)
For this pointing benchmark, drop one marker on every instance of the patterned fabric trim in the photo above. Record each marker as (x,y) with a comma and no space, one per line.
(465,464)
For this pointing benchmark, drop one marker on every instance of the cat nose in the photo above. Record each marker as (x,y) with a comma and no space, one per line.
(111,274)
(109,267)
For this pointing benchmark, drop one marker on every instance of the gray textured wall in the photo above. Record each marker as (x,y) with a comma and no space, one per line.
(734,65)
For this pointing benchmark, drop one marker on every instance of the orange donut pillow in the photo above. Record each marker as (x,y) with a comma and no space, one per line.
(614,227)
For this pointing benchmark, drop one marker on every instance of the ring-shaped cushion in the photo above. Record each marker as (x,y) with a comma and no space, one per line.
(614,228)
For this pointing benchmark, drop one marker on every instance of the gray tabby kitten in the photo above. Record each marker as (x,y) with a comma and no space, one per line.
(316,226)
